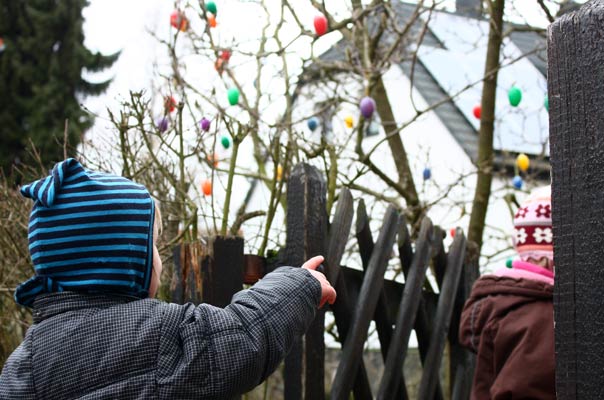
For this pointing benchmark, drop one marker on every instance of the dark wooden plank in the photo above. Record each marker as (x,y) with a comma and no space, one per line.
(306,234)
(442,320)
(186,284)
(343,309)
(226,269)
(372,284)
(424,316)
(339,230)
(439,258)
(383,323)
(575,73)
(406,314)
(462,360)
(177,290)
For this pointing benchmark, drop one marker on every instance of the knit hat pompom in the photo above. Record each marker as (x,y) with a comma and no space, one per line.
(533,235)
(88,232)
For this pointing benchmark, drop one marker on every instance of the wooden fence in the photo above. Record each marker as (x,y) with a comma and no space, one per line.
(363,295)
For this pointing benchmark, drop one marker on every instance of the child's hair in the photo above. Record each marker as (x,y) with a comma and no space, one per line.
(533,235)
(157,223)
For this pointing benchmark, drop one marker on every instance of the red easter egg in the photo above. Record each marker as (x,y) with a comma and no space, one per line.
(452,232)
(212,21)
(225,55)
(179,20)
(476,111)
(169,103)
(206,187)
(320,24)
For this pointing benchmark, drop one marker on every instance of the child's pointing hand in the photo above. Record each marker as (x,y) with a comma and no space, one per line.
(328,293)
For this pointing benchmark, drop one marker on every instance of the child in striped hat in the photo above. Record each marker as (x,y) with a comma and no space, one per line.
(98,332)
(508,320)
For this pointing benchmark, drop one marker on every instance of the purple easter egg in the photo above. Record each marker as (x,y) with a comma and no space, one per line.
(205,124)
(367,107)
(162,124)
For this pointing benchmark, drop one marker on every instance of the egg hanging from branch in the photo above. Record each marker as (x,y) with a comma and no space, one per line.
(162,124)
(204,124)
(477,111)
(312,123)
(517,182)
(225,141)
(349,121)
(211,7)
(212,21)
(523,162)
(427,173)
(367,106)
(320,23)
(233,96)
(169,103)
(279,172)
(206,187)
(514,96)
(179,20)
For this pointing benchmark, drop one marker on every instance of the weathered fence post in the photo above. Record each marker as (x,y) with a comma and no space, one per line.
(187,275)
(225,270)
(306,232)
(576,99)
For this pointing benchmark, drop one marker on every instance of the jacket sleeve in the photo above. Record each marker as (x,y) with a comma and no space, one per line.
(225,352)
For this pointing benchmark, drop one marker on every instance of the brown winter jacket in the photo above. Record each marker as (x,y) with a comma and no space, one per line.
(509,324)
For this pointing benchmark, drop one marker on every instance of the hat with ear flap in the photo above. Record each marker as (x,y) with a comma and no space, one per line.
(88,232)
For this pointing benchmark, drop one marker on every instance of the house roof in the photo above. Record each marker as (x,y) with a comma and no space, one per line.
(451,56)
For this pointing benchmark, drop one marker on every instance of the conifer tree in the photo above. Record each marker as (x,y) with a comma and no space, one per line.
(41,83)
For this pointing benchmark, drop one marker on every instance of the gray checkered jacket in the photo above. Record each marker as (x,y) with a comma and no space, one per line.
(116,347)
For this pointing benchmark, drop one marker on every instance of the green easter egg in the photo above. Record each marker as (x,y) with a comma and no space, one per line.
(514,95)
(546,103)
(225,141)
(211,7)
(508,263)
(233,95)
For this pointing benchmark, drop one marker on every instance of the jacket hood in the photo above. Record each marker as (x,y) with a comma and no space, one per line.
(504,294)
(89,232)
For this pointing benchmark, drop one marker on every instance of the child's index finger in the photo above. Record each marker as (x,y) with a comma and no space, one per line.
(313,263)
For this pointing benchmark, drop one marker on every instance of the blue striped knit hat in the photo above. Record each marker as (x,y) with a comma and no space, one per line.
(88,232)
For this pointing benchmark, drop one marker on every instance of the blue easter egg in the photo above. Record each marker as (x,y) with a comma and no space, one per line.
(517,182)
(427,174)
(313,123)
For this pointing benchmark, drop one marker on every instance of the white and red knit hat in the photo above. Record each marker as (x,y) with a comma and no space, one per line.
(533,235)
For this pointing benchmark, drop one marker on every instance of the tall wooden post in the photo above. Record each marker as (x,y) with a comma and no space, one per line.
(306,233)
(576,99)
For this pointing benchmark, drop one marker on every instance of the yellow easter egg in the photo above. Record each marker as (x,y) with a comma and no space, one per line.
(349,121)
(279,172)
(523,162)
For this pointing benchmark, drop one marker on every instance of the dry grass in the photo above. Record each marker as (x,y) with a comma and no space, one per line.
(16,266)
